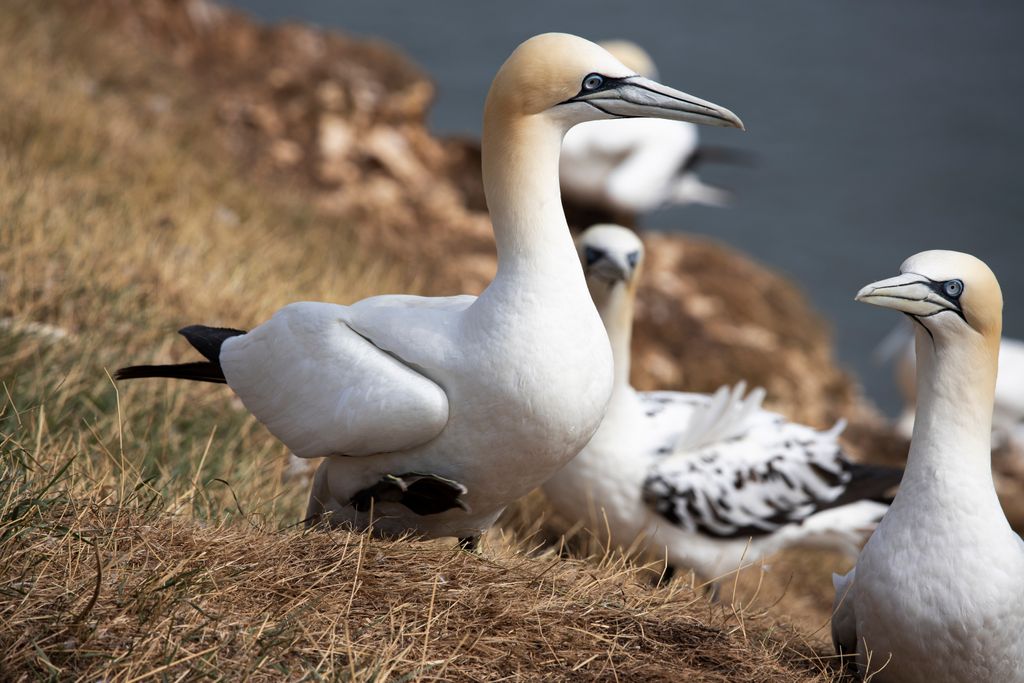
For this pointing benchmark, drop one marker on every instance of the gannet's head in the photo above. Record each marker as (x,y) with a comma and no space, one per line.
(570,80)
(633,56)
(611,256)
(950,294)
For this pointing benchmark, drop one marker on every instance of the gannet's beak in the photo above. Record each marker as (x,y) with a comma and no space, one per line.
(636,96)
(909,293)
(610,267)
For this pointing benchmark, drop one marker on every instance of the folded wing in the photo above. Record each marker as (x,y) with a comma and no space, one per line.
(324,389)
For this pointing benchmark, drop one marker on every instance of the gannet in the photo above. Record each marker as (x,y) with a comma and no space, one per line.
(709,482)
(435,413)
(1008,412)
(938,591)
(636,166)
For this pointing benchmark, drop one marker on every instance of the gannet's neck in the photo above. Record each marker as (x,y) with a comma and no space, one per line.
(615,303)
(953,427)
(520,174)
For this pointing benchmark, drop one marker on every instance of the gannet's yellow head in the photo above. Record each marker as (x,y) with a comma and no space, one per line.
(948,293)
(612,257)
(633,56)
(571,80)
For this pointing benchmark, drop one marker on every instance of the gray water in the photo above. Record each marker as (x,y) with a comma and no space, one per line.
(880,128)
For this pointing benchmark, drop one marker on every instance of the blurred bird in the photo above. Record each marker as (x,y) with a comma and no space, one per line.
(706,481)
(435,413)
(1008,414)
(635,166)
(938,591)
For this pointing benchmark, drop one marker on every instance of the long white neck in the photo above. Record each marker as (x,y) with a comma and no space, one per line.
(615,304)
(520,174)
(953,427)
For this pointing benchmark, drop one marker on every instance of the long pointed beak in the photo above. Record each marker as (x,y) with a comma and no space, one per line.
(637,96)
(611,269)
(909,293)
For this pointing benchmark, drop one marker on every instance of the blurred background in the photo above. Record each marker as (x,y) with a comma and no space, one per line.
(879,129)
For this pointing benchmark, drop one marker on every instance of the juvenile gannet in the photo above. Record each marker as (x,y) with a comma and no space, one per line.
(435,413)
(1008,412)
(938,591)
(696,477)
(636,166)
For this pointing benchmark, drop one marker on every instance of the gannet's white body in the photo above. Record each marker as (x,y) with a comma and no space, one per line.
(635,165)
(708,482)
(435,413)
(1008,410)
(938,592)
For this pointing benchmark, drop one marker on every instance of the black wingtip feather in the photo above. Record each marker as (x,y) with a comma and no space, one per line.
(870,482)
(202,371)
(208,340)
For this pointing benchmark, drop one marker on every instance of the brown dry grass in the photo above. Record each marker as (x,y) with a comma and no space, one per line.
(149,534)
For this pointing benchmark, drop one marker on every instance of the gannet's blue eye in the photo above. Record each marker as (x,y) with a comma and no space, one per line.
(633,258)
(592,256)
(953,288)
(593,82)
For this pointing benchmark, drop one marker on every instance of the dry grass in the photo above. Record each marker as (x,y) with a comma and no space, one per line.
(150,534)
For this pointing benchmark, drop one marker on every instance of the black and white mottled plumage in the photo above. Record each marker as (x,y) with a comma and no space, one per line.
(751,477)
(708,481)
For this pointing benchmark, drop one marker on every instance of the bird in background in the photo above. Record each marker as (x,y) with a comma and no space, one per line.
(629,167)
(938,591)
(433,414)
(709,482)
(1008,411)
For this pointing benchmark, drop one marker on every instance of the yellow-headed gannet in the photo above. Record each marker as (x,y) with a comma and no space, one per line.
(636,166)
(435,413)
(938,591)
(1008,412)
(708,482)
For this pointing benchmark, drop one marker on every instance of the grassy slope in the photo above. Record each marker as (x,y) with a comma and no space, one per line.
(146,535)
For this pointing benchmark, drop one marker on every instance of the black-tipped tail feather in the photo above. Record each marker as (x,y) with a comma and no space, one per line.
(207,341)
(203,371)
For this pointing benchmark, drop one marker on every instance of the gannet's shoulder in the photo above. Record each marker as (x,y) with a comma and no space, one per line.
(422,331)
(758,474)
(411,302)
(325,388)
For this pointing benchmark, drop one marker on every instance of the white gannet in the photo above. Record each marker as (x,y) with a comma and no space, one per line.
(435,413)
(938,591)
(694,477)
(636,166)
(1008,412)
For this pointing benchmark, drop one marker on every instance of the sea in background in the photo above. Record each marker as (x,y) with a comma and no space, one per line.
(879,129)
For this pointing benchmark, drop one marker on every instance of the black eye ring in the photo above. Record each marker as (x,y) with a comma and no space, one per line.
(593,81)
(953,288)
(592,255)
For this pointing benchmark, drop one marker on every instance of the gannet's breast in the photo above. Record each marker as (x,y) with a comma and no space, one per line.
(946,597)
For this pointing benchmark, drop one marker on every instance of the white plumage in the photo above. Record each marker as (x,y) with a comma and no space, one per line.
(709,482)
(434,414)
(938,592)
